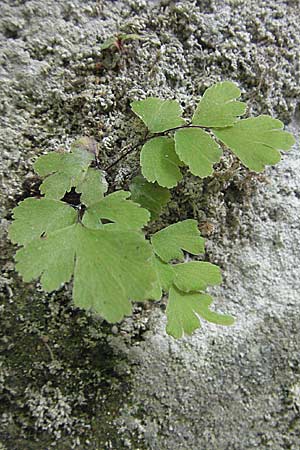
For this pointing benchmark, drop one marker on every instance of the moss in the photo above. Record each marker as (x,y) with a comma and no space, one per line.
(60,379)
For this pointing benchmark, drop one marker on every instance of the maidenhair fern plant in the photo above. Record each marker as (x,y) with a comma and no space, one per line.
(100,242)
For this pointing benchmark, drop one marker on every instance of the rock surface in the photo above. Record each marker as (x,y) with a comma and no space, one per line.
(67,380)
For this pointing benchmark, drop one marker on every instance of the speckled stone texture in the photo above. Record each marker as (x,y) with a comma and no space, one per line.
(70,381)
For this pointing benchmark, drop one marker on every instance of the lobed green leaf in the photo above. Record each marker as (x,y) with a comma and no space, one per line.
(160,163)
(50,257)
(183,310)
(196,276)
(34,217)
(92,187)
(218,106)
(110,268)
(63,171)
(256,141)
(198,150)
(116,208)
(165,275)
(149,195)
(158,115)
(169,242)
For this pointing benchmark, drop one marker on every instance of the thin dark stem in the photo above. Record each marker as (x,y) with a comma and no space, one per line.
(132,149)
(179,128)
(123,155)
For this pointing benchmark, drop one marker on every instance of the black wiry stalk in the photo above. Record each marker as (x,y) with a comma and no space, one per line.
(147,138)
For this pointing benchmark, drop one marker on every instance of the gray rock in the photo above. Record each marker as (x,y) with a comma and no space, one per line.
(67,380)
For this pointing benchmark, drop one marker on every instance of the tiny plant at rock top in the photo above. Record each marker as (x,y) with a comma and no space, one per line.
(100,244)
(118,40)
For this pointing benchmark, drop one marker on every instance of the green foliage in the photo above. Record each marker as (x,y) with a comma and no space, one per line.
(92,187)
(255,141)
(160,163)
(198,150)
(66,170)
(99,242)
(218,106)
(110,265)
(33,218)
(169,242)
(122,213)
(184,282)
(117,40)
(165,275)
(184,308)
(149,195)
(158,115)
(108,43)
(196,276)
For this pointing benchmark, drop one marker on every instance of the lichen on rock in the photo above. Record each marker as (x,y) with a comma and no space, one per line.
(67,379)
